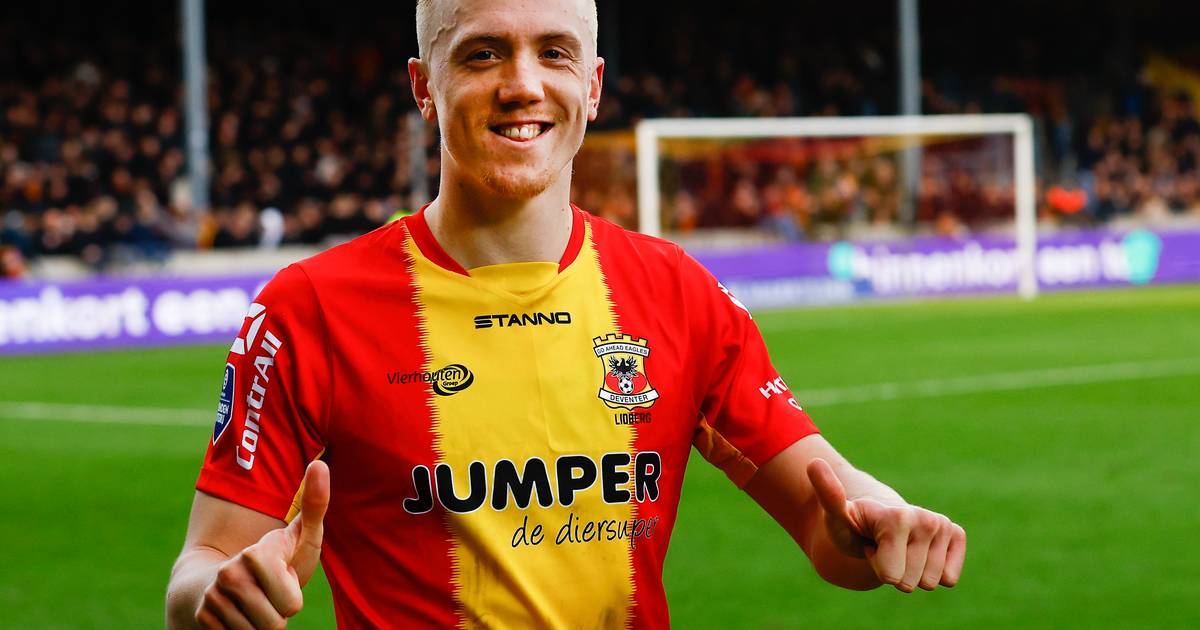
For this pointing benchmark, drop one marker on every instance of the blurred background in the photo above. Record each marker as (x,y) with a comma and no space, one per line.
(1062,432)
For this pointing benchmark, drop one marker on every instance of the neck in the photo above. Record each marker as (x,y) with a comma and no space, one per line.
(478,228)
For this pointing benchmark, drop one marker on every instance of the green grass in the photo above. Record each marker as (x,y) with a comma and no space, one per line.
(1080,501)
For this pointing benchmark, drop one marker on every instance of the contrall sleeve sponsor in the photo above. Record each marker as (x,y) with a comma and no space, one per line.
(748,413)
(270,411)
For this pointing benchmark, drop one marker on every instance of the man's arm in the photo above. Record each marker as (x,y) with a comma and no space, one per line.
(858,532)
(243,569)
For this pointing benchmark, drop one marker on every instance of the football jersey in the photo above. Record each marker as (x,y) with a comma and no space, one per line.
(506,445)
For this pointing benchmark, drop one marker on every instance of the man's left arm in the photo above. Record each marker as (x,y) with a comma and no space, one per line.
(858,532)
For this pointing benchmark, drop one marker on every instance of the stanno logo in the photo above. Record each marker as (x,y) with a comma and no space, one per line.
(624,382)
(508,320)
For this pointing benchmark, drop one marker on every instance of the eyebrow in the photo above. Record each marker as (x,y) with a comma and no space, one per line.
(500,41)
(475,40)
(565,37)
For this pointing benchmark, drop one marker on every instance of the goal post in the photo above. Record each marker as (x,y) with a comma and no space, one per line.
(1020,126)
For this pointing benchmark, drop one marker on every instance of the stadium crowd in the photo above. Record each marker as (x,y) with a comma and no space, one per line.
(92,159)
(309,140)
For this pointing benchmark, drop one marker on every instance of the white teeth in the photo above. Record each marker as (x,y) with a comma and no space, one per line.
(522,132)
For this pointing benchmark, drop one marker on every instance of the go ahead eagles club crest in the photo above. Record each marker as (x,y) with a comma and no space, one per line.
(625,383)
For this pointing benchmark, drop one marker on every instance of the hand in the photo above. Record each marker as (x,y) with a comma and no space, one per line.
(907,546)
(260,587)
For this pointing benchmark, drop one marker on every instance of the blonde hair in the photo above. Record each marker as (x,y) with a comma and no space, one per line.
(425,9)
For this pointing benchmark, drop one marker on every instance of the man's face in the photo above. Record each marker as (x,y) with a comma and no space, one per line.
(512,84)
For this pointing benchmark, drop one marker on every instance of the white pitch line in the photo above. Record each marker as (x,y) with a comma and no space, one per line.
(105,414)
(931,388)
(1000,381)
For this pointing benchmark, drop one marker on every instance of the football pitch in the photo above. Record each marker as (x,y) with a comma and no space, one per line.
(1063,434)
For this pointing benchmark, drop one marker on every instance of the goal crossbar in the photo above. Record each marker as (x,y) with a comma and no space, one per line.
(650,131)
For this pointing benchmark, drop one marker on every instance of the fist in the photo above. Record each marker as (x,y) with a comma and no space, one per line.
(260,587)
(907,546)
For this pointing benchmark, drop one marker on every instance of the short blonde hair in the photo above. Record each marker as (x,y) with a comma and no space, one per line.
(425,16)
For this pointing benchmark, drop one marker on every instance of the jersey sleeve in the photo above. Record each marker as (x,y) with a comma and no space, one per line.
(271,412)
(747,414)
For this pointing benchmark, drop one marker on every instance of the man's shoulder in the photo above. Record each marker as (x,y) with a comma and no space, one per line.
(639,254)
(377,250)
(611,238)
(340,273)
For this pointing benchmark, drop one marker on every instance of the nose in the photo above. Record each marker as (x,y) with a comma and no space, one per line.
(521,82)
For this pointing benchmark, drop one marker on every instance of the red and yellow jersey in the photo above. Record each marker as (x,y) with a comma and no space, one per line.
(506,446)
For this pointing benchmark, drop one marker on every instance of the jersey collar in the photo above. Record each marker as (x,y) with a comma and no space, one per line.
(432,250)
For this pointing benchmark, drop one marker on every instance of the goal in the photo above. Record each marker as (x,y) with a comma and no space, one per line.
(661,141)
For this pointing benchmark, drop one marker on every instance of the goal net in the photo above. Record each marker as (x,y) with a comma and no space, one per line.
(809,210)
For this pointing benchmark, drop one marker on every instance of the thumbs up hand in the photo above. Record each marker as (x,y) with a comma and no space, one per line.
(261,586)
(907,546)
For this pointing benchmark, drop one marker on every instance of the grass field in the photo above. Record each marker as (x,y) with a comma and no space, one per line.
(1063,434)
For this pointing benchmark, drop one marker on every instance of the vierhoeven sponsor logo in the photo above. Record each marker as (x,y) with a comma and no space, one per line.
(447,381)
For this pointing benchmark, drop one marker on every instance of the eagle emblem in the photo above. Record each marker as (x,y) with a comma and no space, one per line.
(624,382)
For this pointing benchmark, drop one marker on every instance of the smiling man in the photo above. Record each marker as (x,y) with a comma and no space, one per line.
(480,415)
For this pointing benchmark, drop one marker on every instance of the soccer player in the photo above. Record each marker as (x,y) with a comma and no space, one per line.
(479,415)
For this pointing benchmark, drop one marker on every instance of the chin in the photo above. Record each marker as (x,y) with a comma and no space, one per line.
(518,184)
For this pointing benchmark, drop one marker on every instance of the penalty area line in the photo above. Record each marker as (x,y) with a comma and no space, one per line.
(999,382)
(930,388)
(105,414)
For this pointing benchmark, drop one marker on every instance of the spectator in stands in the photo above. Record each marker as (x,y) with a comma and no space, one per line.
(12,263)
(92,152)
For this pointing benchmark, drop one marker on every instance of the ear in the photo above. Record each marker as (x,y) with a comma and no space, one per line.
(596,83)
(418,77)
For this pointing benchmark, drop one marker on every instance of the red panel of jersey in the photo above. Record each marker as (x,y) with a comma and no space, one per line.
(506,445)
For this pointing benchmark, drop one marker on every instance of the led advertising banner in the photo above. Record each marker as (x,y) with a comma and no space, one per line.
(122,312)
(830,273)
(38,316)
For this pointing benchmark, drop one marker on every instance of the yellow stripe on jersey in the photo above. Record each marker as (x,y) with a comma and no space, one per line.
(533,395)
(295,509)
(720,453)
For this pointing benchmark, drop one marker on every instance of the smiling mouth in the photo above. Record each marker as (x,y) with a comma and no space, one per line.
(522,132)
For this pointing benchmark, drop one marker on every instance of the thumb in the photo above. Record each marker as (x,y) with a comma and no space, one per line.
(831,494)
(307,529)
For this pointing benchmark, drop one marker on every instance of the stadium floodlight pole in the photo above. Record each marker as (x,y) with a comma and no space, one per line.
(1020,126)
(910,102)
(196,97)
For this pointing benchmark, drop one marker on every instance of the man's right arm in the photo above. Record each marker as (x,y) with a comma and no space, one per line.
(243,569)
